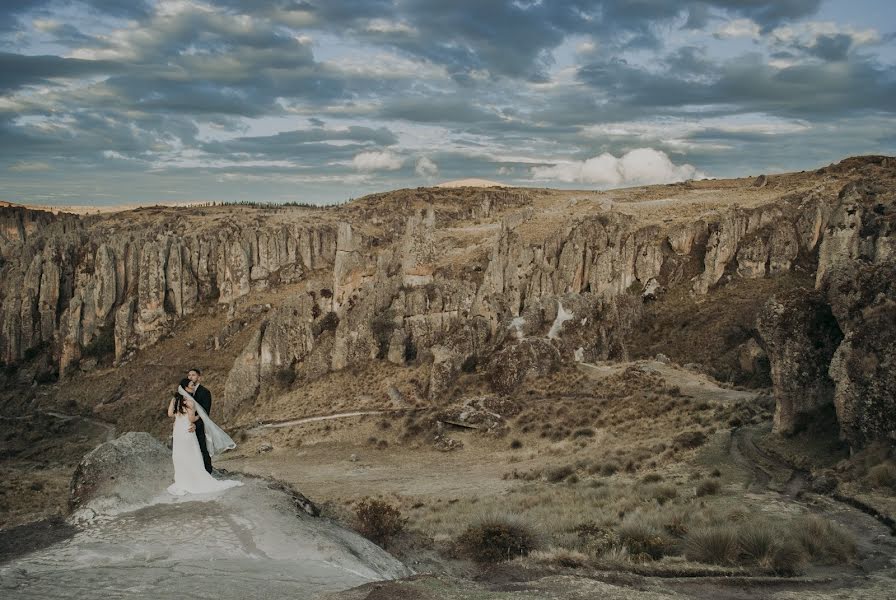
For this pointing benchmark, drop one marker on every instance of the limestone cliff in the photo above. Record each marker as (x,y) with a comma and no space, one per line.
(515,281)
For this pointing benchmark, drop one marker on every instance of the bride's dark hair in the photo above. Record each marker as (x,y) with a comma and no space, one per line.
(178,399)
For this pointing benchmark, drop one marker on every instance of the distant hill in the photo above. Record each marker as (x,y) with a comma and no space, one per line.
(471,183)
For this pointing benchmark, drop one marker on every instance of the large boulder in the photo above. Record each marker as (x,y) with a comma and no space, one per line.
(125,473)
(800,335)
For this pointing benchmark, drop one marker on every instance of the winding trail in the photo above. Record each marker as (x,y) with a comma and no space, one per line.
(774,480)
(345,415)
(109,427)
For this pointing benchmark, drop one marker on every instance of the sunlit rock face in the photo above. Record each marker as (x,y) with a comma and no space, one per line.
(857,272)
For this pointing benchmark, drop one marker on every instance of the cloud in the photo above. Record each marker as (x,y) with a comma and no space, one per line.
(738,28)
(19,70)
(29,167)
(426,168)
(642,166)
(377,161)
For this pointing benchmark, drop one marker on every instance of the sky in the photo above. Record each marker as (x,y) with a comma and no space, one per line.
(107,102)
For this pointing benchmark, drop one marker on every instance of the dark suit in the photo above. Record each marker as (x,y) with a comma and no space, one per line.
(204,398)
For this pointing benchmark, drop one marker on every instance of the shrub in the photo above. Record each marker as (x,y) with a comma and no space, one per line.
(712,545)
(689,439)
(382,326)
(757,541)
(883,475)
(102,345)
(496,538)
(516,444)
(787,558)
(609,468)
(285,376)
(823,541)
(329,322)
(677,521)
(661,493)
(708,487)
(558,474)
(652,478)
(563,557)
(643,538)
(378,521)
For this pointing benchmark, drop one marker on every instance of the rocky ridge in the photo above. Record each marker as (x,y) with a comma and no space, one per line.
(515,281)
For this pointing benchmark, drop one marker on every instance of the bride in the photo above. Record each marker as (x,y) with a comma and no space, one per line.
(190,476)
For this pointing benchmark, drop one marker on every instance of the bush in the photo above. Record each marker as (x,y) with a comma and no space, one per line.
(382,326)
(329,322)
(712,545)
(708,487)
(285,376)
(100,346)
(563,557)
(643,538)
(787,558)
(689,439)
(757,541)
(823,541)
(662,493)
(558,474)
(883,475)
(378,521)
(497,538)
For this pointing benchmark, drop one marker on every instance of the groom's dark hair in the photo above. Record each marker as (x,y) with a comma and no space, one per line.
(198,372)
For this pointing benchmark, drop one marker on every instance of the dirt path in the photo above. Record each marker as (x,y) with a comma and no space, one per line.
(875,543)
(344,415)
(108,427)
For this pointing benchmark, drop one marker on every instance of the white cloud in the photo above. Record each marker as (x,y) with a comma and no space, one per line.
(377,161)
(29,167)
(642,166)
(738,28)
(808,33)
(586,47)
(386,26)
(426,168)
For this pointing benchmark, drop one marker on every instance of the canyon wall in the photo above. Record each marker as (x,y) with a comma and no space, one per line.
(391,278)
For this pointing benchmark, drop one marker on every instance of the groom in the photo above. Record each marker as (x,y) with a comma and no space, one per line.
(204,398)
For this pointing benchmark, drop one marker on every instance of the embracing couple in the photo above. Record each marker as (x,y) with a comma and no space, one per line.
(195,439)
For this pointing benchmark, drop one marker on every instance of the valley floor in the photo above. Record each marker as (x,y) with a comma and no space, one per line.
(606,447)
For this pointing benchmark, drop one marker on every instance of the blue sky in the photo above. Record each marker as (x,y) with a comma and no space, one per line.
(138,101)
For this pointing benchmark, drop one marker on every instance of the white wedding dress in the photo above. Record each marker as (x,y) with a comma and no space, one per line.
(190,476)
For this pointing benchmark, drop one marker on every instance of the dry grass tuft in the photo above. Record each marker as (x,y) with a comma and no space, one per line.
(643,538)
(563,557)
(708,487)
(883,475)
(496,538)
(717,545)
(825,542)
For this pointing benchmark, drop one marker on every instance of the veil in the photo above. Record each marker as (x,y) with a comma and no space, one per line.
(216,440)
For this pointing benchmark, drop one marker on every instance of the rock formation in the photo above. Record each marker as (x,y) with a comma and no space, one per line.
(454,279)
(119,475)
(800,336)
